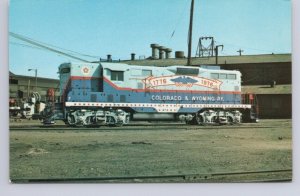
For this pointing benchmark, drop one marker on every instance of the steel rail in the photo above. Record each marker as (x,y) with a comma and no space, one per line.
(132,128)
(209,177)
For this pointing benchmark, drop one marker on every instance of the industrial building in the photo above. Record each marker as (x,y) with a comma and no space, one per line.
(256,69)
(23,86)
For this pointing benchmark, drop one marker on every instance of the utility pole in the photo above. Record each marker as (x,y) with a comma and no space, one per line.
(240,51)
(35,70)
(217,52)
(28,89)
(190,34)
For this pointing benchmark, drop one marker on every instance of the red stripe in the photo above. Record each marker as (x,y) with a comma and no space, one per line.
(84,78)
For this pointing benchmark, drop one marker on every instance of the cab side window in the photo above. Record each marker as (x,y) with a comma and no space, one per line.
(117,76)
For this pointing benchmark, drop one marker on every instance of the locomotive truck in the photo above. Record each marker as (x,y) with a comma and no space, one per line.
(94,94)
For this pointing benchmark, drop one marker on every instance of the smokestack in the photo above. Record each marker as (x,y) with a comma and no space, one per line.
(154,50)
(162,52)
(109,58)
(168,52)
(179,54)
(132,56)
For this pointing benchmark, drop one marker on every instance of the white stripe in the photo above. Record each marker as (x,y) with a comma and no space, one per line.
(160,107)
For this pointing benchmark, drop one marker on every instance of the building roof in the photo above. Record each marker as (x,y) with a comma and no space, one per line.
(11,74)
(264,58)
(32,77)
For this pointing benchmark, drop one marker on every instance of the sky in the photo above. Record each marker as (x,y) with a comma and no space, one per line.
(121,27)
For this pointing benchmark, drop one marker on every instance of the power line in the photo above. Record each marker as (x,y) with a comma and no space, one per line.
(44,46)
(26,45)
(179,20)
(32,47)
(53,46)
(81,54)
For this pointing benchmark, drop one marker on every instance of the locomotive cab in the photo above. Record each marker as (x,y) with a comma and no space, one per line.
(64,78)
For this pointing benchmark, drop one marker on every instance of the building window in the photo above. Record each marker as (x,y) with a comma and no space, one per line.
(13,81)
(117,76)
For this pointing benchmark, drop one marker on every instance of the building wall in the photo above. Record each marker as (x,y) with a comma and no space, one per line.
(263,73)
(275,105)
(27,86)
(256,69)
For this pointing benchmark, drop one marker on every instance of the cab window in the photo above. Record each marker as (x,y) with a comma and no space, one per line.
(65,70)
(117,76)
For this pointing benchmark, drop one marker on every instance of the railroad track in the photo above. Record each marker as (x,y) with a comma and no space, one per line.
(246,176)
(134,127)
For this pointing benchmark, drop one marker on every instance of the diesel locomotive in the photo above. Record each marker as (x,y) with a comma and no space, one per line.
(94,94)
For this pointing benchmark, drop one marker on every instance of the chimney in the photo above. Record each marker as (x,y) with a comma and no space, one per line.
(179,54)
(109,58)
(154,50)
(168,53)
(161,52)
(132,56)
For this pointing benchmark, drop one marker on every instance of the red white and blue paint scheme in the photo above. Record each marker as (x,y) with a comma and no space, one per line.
(114,93)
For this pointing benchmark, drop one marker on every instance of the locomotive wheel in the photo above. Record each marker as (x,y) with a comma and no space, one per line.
(197,120)
(88,122)
(79,124)
(112,122)
(230,120)
(189,122)
(127,119)
(70,120)
(119,124)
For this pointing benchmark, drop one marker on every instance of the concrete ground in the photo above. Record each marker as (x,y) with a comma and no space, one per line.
(171,152)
